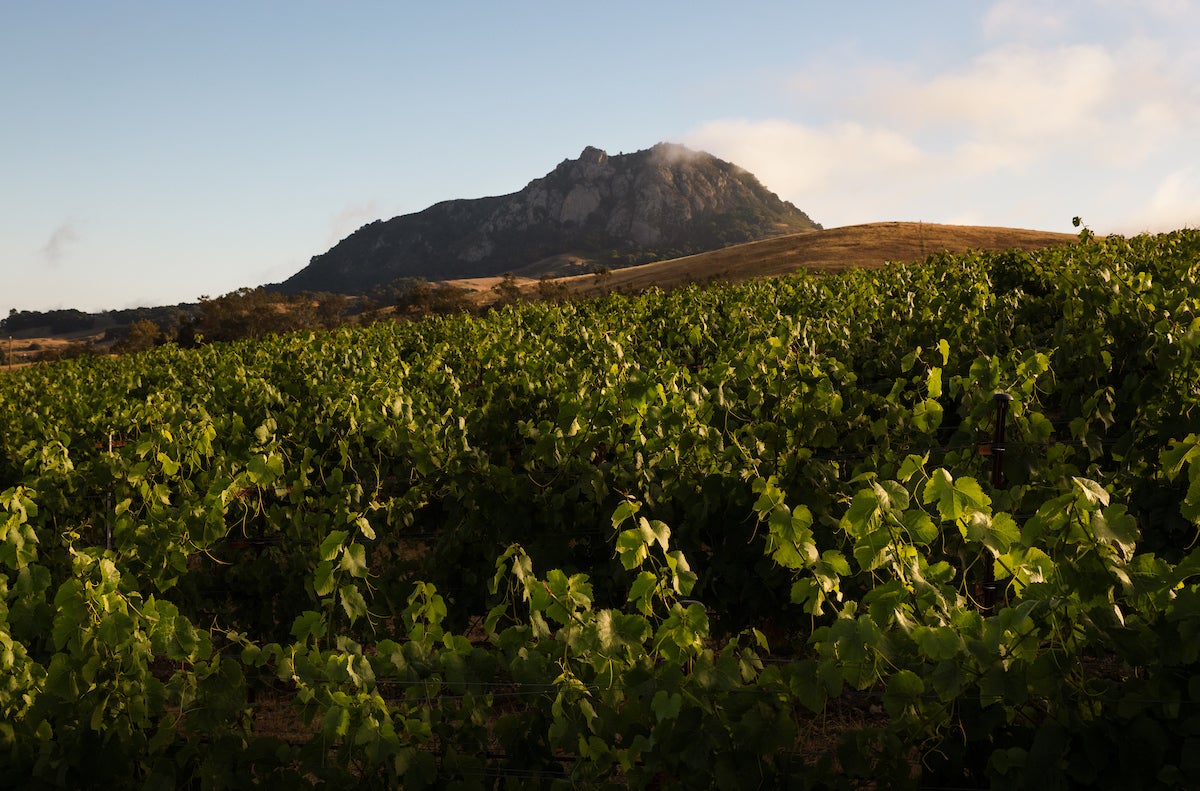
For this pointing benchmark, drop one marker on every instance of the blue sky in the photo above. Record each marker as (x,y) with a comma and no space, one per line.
(153,152)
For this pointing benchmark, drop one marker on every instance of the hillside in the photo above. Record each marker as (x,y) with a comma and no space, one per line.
(597,210)
(852,246)
(856,246)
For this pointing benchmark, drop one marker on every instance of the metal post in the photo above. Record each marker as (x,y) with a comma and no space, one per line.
(109,502)
(1001,400)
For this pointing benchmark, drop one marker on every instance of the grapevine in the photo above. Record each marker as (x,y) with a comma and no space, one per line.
(638,540)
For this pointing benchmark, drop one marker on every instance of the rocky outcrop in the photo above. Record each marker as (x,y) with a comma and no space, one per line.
(663,202)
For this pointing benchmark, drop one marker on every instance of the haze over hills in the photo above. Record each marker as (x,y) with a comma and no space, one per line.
(598,210)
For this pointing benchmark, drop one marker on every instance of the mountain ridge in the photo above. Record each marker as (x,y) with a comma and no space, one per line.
(596,210)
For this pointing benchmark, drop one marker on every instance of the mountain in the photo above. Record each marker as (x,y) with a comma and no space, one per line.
(597,210)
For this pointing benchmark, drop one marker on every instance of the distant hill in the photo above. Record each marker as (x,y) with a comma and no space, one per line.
(849,247)
(597,210)
(829,250)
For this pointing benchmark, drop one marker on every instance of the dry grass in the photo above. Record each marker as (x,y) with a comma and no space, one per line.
(22,349)
(831,250)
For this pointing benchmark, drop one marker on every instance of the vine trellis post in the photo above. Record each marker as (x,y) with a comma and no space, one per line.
(1002,401)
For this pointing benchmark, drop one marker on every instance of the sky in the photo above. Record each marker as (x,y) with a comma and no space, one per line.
(152,152)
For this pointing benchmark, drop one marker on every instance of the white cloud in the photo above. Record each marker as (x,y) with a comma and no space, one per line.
(1165,9)
(1018,135)
(804,158)
(1033,20)
(1018,93)
(1174,203)
(1023,18)
(814,166)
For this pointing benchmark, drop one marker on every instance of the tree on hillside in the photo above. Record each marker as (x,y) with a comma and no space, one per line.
(142,335)
(331,309)
(251,313)
(602,276)
(551,289)
(418,297)
(57,322)
(507,291)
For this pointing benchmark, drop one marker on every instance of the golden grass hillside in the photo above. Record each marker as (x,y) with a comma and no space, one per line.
(830,250)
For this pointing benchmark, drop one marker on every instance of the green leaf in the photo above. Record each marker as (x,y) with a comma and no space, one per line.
(1005,532)
(332,543)
(1180,452)
(683,579)
(354,560)
(921,529)
(808,594)
(365,528)
(911,465)
(308,624)
(493,617)
(938,643)
(109,575)
(557,583)
(98,707)
(970,497)
(620,630)
(623,512)
(769,495)
(836,562)
(791,539)
(787,555)
(904,690)
(666,705)
(641,590)
(540,597)
(927,415)
(873,550)
(940,489)
(323,580)
(892,495)
(1093,493)
(662,533)
(955,499)
(631,547)
(259,471)
(169,466)
(861,516)
(71,614)
(1190,507)
(1113,525)
(829,672)
(352,602)
(336,722)
(933,383)
(116,630)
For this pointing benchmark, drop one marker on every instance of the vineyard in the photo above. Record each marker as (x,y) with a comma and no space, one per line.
(931,526)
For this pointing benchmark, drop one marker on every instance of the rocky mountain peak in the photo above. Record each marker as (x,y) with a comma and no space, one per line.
(593,155)
(662,202)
